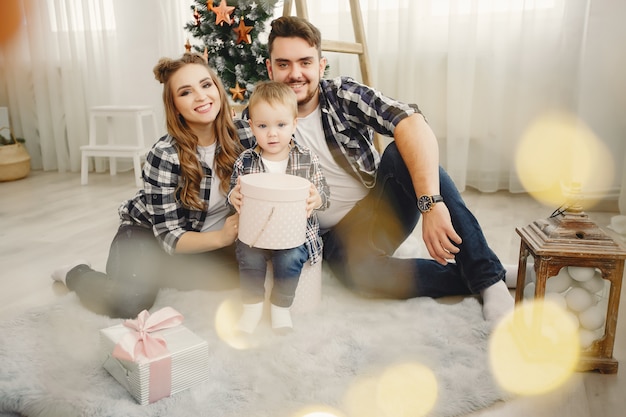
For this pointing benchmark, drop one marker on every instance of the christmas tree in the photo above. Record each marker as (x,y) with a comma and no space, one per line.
(232,36)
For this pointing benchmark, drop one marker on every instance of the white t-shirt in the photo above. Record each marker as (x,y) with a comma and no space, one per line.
(218,210)
(345,190)
(275,167)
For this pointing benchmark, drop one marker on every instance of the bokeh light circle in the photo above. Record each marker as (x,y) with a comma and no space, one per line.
(558,150)
(407,390)
(535,349)
(226,319)
(400,390)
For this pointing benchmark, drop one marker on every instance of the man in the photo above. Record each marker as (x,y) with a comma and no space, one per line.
(376,202)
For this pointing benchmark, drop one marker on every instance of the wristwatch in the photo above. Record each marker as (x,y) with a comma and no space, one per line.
(425,203)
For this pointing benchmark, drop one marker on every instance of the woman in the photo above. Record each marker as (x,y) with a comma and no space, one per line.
(177,231)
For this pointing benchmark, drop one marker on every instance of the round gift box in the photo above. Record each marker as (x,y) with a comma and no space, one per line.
(273,212)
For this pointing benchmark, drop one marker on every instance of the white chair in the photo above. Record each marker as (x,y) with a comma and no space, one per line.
(112,149)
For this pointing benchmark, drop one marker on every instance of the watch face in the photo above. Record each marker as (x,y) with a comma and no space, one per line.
(424,203)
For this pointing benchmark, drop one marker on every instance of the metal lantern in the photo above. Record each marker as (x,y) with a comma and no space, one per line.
(569,258)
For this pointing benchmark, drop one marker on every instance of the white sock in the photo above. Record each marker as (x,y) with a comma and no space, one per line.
(60,274)
(250,317)
(511,275)
(497,301)
(281,317)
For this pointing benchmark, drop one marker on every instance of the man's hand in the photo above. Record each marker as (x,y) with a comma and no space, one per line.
(439,235)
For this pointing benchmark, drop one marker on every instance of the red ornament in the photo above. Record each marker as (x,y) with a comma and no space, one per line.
(196,16)
(243,31)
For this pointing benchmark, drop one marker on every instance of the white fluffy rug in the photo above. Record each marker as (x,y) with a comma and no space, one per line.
(49,364)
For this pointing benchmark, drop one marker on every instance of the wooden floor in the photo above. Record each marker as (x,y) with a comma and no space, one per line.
(49,219)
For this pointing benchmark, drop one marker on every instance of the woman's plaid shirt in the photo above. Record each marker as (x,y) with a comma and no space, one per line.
(157,205)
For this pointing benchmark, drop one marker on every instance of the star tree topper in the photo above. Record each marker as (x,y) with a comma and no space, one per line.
(222,13)
(243,32)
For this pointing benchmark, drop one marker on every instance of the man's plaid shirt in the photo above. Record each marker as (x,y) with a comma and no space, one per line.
(303,163)
(350,110)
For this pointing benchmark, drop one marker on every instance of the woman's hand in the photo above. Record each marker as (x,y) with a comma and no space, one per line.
(198,242)
(230,229)
(313,201)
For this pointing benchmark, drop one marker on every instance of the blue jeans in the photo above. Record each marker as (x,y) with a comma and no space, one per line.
(287,265)
(138,267)
(359,248)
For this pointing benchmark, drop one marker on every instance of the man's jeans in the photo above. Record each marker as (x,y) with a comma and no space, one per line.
(287,265)
(359,248)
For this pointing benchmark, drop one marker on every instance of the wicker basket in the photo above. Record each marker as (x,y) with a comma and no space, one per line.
(14,161)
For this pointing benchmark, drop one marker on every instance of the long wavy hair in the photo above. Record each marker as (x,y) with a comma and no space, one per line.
(186,142)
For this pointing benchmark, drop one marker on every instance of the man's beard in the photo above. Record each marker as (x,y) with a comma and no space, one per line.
(310,96)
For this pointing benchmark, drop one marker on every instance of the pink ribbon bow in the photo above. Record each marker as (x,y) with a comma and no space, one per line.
(140,343)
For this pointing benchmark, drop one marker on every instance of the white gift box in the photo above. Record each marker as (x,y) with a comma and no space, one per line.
(273,214)
(189,361)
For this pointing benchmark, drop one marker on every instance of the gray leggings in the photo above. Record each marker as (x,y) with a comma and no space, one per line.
(138,267)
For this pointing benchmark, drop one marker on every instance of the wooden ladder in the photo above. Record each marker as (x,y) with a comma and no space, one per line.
(359,47)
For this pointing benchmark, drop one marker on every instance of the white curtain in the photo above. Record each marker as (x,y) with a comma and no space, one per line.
(481,70)
(69,55)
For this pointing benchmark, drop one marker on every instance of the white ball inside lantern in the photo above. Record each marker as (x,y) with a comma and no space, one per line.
(581,273)
(557,299)
(586,338)
(560,282)
(595,284)
(572,317)
(578,299)
(592,318)
(529,290)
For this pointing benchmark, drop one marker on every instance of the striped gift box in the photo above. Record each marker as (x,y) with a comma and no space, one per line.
(189,361)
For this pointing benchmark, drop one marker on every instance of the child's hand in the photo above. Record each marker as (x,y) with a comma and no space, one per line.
(313,201)
(236,198)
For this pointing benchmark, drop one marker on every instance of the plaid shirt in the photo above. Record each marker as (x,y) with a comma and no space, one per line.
(157,205)
(303,163)
(350,113)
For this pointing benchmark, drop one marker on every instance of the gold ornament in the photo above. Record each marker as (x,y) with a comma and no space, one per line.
(187,46)
(209,5)
(243,31)
(206,54)
(237,92)
(222,13)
